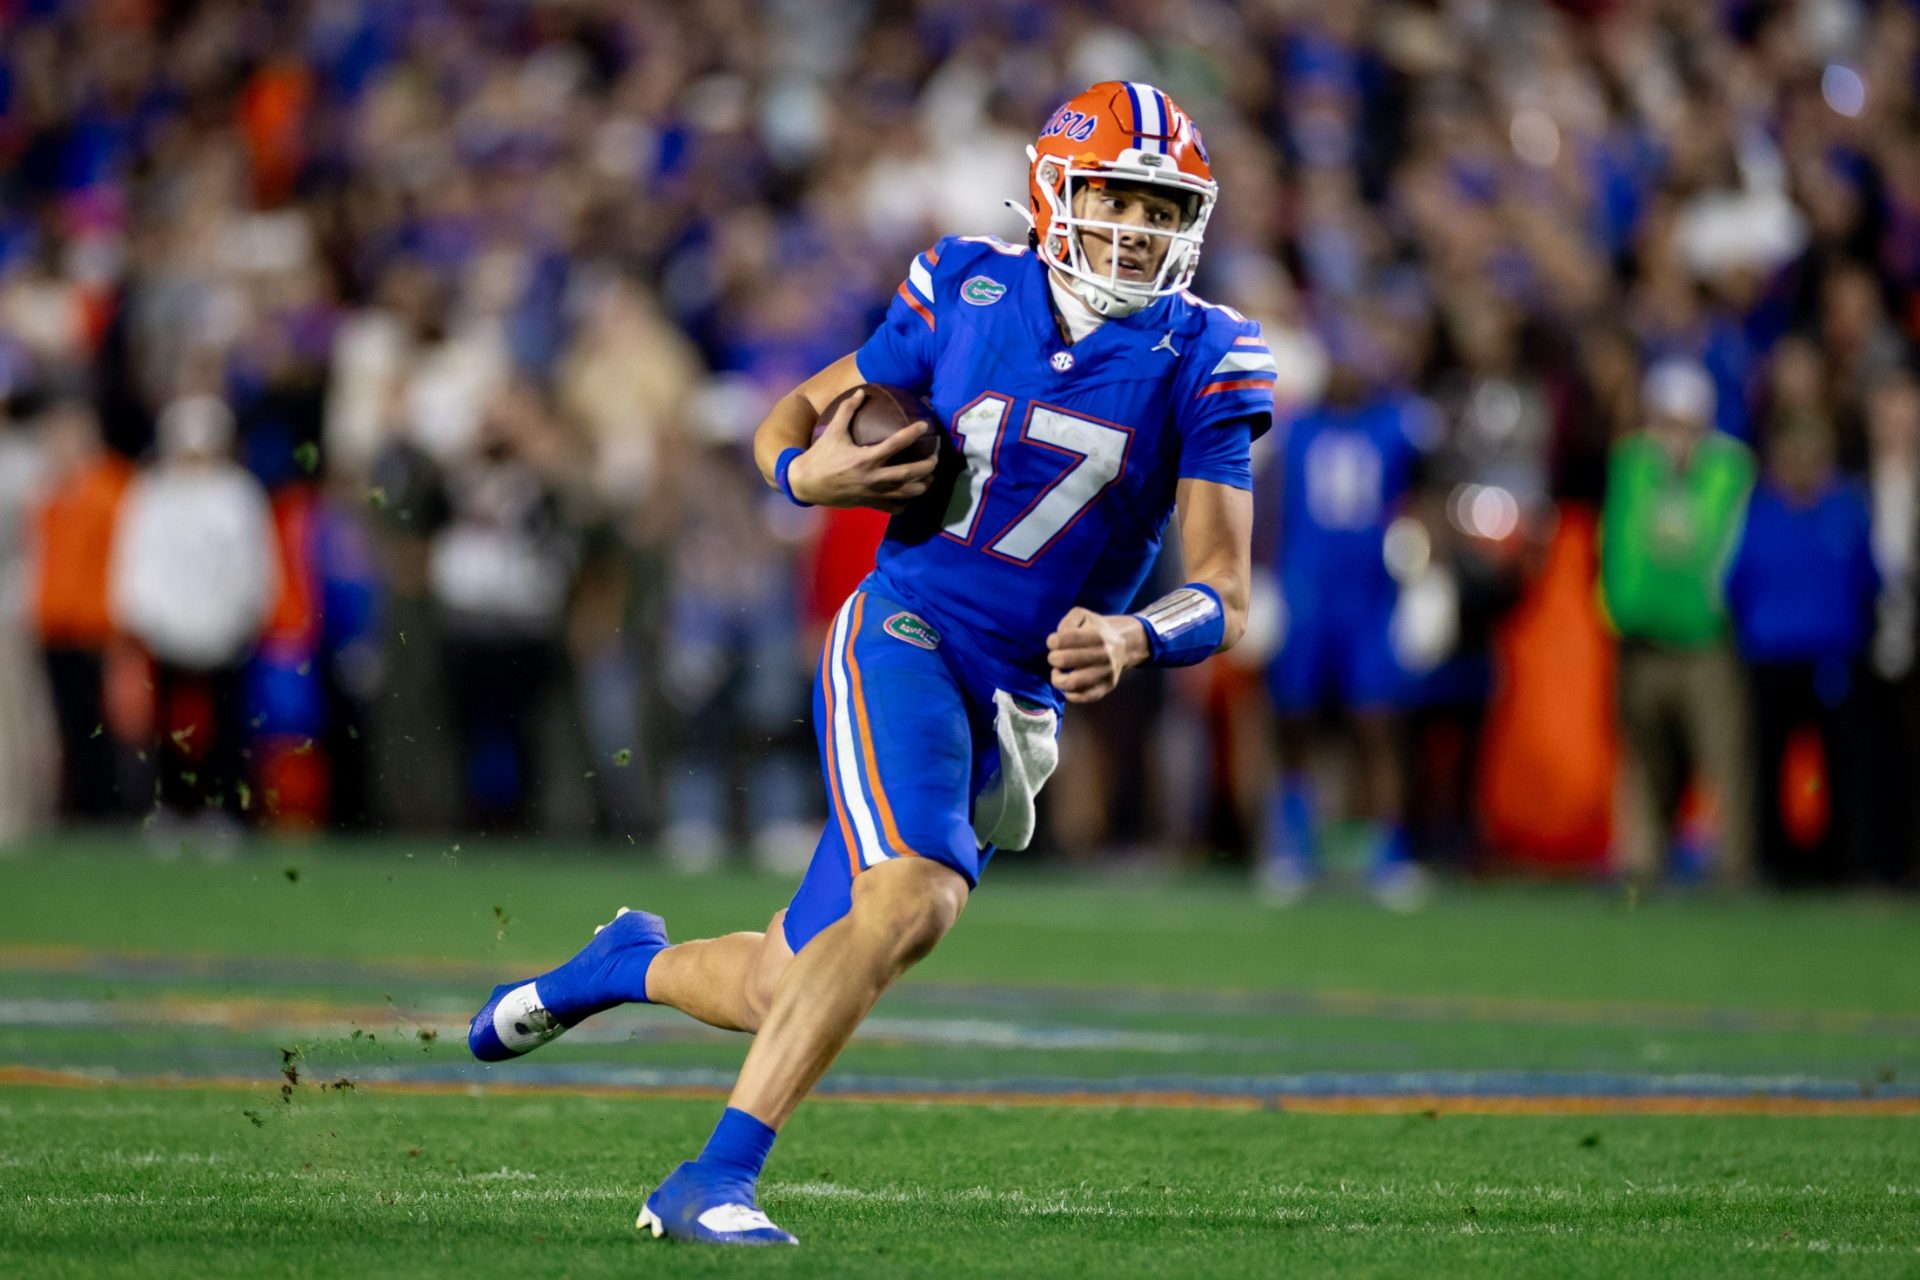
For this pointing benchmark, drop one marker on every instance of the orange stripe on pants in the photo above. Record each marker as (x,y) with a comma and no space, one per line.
(859,701)
(833,767)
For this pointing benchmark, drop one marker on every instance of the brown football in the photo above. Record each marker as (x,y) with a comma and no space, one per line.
(885,411)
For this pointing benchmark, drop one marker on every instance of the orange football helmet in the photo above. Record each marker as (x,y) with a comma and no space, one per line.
(1123,131)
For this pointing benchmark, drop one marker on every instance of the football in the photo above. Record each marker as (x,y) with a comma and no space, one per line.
(885,411)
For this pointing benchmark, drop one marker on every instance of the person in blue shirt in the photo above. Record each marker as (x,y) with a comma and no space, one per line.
(1346,467)
(1085,400)
(1801,593)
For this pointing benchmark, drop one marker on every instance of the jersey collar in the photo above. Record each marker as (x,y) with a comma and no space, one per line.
(1038,306)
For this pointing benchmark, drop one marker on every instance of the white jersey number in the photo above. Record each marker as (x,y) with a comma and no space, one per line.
(1100,450)
(1343,473)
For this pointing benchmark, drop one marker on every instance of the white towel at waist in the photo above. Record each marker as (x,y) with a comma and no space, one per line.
(1003,813)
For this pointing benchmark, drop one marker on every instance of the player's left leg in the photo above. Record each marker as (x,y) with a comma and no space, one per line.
(901,743)
(901,908)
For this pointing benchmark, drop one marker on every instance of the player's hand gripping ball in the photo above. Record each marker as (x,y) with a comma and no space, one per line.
(876,446)
(882,411)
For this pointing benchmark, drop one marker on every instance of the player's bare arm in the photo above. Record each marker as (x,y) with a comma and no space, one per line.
(831,470)
(1089,652)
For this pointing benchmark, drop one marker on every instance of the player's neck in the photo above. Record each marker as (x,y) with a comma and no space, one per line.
(1076,318)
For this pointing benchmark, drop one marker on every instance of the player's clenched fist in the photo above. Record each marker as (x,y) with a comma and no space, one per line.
(1088,651)
(838,472)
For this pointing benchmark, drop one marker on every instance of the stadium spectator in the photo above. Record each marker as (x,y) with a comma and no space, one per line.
(193,577)
(73,545)
(415,764)
(630,380)
(1676,494)
(1891,693)
(1801,594)
(28,737)
(732,673)
(501,564)
(1488,507)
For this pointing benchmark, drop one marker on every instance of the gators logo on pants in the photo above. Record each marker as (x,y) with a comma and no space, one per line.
(913,629)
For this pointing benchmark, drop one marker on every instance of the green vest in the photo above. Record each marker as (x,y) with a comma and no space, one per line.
(1667,538)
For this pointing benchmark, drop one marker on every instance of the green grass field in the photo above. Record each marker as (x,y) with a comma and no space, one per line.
(258,1068)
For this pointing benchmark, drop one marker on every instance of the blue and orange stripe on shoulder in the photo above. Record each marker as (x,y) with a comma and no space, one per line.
(917,289)
(919,308)
(1247,365)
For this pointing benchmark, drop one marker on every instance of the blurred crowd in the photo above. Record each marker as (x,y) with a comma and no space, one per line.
(376,378)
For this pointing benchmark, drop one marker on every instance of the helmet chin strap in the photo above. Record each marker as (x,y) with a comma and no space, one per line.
(1100,299)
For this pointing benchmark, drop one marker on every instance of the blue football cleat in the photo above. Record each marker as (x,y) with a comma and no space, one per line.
(695,1203)
(611,970)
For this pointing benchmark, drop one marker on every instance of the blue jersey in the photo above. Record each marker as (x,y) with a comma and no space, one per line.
(1071,451)
(1343,473)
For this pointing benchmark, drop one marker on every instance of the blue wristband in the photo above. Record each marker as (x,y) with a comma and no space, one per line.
(780,475)
(1184,626)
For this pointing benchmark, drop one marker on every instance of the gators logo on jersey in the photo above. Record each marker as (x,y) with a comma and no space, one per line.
(982,292)
(912,629)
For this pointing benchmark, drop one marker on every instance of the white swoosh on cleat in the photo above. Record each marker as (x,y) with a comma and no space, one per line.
(522,1022)
(735,1217)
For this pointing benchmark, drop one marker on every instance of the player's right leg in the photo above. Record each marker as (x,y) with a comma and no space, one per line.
(610,970)
(725,982)
(729,982)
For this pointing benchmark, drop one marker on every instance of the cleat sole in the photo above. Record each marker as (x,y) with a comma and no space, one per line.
(650,1221)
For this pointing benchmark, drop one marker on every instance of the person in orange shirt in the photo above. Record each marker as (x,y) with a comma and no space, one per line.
(73,529)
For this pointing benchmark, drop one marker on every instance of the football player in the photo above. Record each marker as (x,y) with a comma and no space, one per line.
(1087,398)
(1346,469)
